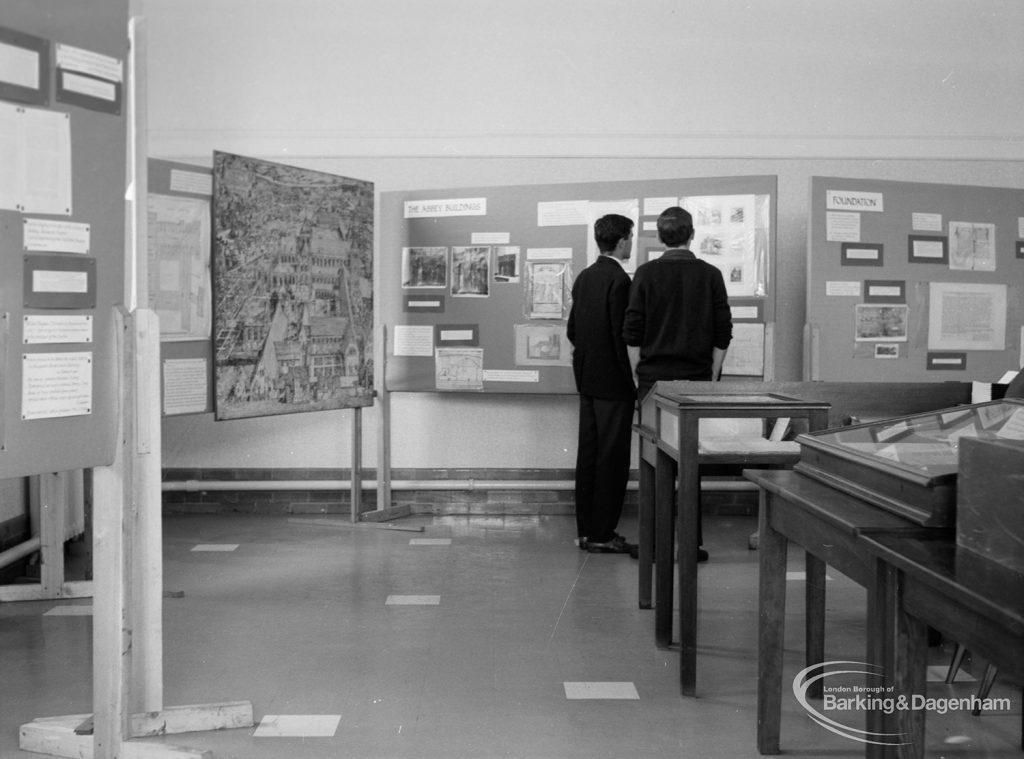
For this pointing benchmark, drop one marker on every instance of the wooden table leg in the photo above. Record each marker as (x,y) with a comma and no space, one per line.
(645,530)
(770,628)
(906,668)
(664,548)
(688,525)
(814,618)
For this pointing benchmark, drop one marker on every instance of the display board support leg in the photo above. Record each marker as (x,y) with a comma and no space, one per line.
(357,463)
(50,495)
(52,511)
(127,605)
(384,511)
(384,451)
(383,428)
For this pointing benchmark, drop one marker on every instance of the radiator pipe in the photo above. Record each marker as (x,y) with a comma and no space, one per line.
(196,486)
(20,551)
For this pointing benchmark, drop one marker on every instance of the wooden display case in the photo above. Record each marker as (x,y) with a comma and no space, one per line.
(990,501)
(908,465)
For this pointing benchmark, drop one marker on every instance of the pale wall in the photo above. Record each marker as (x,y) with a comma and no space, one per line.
(456,94)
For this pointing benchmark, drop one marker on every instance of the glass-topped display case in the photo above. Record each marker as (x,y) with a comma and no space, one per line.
(908,464)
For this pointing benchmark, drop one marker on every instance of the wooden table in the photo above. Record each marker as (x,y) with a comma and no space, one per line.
(830,526)
(669,435)
(932,582)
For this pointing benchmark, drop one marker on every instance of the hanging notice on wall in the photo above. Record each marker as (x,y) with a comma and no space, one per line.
(56,385)
(178,237)
(292,289)
(89,79)
(50,329)
(52,235)
(966,316)
(37,160)
(184,384)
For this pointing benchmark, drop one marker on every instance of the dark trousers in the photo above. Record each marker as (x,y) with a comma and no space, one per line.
(602,465)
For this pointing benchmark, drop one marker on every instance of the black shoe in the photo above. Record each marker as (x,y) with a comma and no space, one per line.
(582,543)
(617,544)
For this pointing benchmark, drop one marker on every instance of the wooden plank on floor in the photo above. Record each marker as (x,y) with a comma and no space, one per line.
(195,718)
(27,592)
(372,525)
(56,737)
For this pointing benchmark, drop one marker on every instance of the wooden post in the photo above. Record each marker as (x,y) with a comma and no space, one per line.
(357,463)
(112,639)
(147,577)
(383,430)
(52,511)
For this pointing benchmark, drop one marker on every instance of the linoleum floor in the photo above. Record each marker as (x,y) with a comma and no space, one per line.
(454,637)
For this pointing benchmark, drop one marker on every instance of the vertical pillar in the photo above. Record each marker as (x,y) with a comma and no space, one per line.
(112,637)
(147,528)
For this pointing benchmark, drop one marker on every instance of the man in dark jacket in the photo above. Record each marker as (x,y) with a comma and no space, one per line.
(604,381)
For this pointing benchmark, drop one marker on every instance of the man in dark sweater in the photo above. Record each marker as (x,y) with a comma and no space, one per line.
(678,323)
(604,380)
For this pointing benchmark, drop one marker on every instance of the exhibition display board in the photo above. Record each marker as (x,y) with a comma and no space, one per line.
(476,282)
(292,289)
(913,282)
(63,128)
(179,237)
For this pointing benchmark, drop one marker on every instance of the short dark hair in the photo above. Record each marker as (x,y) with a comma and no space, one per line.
(675,226)
(609,229)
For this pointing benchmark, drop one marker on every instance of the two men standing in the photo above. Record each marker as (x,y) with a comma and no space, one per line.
(671,323)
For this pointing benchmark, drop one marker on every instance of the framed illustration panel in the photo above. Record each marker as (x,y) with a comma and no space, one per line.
(292,289)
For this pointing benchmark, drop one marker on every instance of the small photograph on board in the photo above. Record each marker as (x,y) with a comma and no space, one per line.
(424,267)
(876,323)
(548,290)
(542,345)
(459,368)
(471,267)
(506,264)
(972,246)
(711,245)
